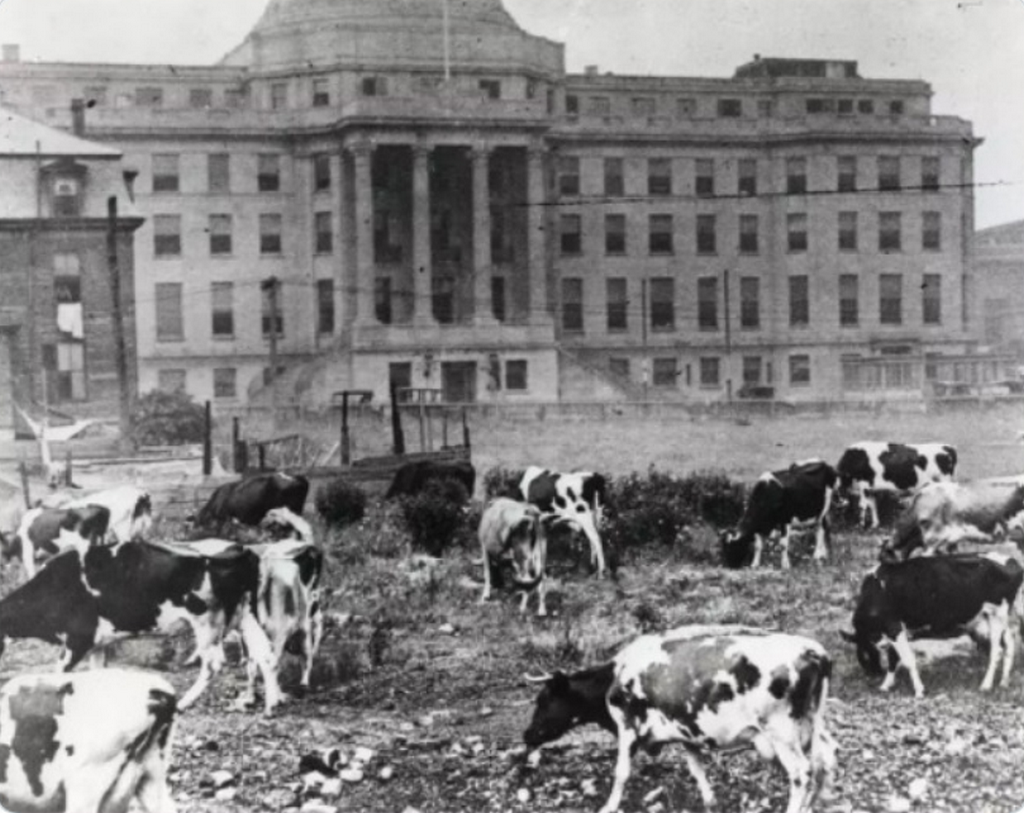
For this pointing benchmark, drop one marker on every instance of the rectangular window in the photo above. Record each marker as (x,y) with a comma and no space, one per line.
(896,107)
(165,172)
(890,299)
(889,173)
(167,235)
(220,234)
(866,106)
(222,308)
(889,231)
(707,303)
(490,88)
(374,86)
(730,108)
(218,172)
(321,93)
(799,370)
(224,385)
(849,300)
(170,380)
(663,304)
(844,107)
(660,234)
(747,185)
(498,303)
(931,231)
(931,299)
(930,173)
(710,371)
(278,95)
(572,104)
(325,306)
(272,318)
(665,372)
(686,108)
(748,234)
(750,303)
(270,234)
(799,304)
(323,240)
(752,370)
(568,175)
(571,234)
(149,97)
(441,293)
(200,98)
(616,304)
(321,171)
(170,326)
(619,366)
(659,176)
(796,176)
(704,179)
(269,172)
(706,242)
(516,374)
(572,305)
(614,182)
(642,106)
(796,232)
(847,231)
(615,234)
(235,98)
(846,173)
(598,105)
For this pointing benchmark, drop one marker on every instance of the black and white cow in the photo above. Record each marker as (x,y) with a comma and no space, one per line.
(86,741)
(935,597)
(707,688)
(780,500)
(87,600)
(510,529)
(248,500)
(45,532)
(577,498)
(130,507)
(412,478)
(872,466)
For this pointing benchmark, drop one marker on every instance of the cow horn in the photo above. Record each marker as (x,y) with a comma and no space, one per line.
(848,636)
(537,678)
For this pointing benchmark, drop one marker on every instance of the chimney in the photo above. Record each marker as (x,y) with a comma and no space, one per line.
(590,70)
(78,117)
(11,52)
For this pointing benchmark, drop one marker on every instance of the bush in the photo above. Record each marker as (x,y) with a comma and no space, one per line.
(167,419)
(434,517)
(502,482)
(340,503)
(714,498)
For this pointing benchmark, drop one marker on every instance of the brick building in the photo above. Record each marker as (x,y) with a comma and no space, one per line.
(441,205)
(57,345)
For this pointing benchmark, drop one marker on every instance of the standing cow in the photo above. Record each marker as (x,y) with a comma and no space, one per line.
(512,529)
(870,467)
(707,688)
(412,478)
(248,500)
(130,507)
(45,532)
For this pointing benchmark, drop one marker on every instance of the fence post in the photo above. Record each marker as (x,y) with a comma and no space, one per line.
(23,471)
(465,430)
(67,468)
(236,439)
(208,441)
(444,428)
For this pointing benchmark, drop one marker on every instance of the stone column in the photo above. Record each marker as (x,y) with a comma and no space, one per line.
(483,313)
(362,154)
(536,301)
(422,270)
(338,227)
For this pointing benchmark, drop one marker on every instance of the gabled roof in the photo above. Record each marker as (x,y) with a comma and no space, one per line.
(19,137)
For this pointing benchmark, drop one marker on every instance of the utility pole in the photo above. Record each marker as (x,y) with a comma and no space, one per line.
(270,286)
(120,348)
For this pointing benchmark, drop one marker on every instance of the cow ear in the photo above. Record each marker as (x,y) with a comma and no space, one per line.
(848,636)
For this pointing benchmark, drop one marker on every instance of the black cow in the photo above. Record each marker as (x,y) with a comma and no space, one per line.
(248,500)
(411,478)
(87,600)
(801,494)
(935,597)
(44,532)
(869,467)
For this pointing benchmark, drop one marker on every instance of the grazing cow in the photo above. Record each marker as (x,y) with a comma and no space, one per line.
(935,597)
(248,500)
(131,511)
(45,532)
(577,499)
(87,741)
(412,478)
(941,515)
(869,467)
(512,529)
(86,600)
(706,687)
(801,494)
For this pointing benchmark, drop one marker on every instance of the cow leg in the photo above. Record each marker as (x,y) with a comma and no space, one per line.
(154,796)
(627,744)
(542,589)
(902,646)
(823,763)
(487,578)
(524,600)
(1010,644)
(696,769)
(758,546)
(998,628)
(314,632)
(784,544)
(211,658)
(798,768)
(259,649)
(821,539)
(869,506)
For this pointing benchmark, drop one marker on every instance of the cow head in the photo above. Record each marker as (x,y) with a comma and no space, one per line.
(10,546)
(142,517)
(869,652)
(556,711)
(737,550)
(528,538)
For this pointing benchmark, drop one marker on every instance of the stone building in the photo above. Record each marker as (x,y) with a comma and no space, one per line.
(57,343)
(999,269)
(418,192)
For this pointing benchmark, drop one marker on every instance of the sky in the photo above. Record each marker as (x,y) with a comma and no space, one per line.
(970,51)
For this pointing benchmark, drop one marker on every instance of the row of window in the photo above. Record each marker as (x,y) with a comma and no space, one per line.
(167,234)
(661,305)
(889,174)
(167,172)
(730,107)
(666,372)
(661,233)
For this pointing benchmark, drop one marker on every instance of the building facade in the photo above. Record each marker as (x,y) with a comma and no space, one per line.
(999,268)
(376,191)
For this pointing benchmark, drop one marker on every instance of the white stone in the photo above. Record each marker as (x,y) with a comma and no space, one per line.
(331,788)
(385,773)
(226,794)
(918,788)
(523,795)
(351,775)
(222,778)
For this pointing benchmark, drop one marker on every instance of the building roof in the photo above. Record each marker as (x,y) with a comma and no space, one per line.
(23,137)
(1002,235)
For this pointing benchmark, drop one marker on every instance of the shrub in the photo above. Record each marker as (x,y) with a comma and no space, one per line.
(502,482)
(340,502)
(167,419)
(435,516)
(714,498)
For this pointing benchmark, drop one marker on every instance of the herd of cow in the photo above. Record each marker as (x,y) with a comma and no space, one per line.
(704,686)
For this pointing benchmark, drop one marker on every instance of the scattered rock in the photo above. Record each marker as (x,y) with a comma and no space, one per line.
(426,721)
(278,799)
(898,804)
(363,754)
(486,711)
(316,806)
(446,629)
(226,794)
(533,760)
(588,787)
(657,807)
(331,789)
(221,779)
(385,773)
(351,775)
(654,795)
(917,789)
(523,795)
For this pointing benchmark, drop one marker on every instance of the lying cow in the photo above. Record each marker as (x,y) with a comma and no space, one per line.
(871,467)
(706,687)
(513,530)
(87,600)
(576,499)
(936,597)
(130,507)
(45,532)
(248,500)
(942,515)
(780,500)
(87,741)
(412,478)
